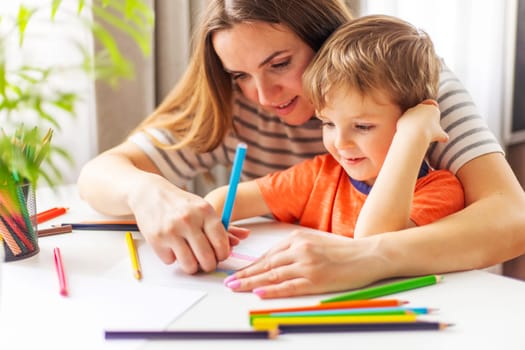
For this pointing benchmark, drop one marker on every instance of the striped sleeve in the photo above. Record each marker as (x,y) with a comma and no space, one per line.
(178,166)
(469,135)
(272,146)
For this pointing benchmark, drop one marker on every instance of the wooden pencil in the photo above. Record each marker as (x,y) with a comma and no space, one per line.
(260,323)
(103,227)
(50,214)
(335,305)
(364,327)
(189,334)
(55,230)
(372,311)
(386,289)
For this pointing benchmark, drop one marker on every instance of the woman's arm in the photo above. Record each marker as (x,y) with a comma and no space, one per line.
(488,231)
(178,225)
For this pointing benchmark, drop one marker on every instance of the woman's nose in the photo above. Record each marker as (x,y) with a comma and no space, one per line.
(267,92)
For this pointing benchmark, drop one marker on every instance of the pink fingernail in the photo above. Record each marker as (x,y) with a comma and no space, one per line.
(258,291)
(229,279)
(233,284)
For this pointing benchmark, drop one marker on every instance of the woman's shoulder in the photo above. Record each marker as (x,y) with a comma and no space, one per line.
(469,135)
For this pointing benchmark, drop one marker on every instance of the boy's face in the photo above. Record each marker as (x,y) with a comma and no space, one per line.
(358,130)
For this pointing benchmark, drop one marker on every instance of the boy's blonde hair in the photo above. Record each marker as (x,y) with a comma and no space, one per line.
(375,53)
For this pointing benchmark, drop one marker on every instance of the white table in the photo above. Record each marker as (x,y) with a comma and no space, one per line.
(487,309)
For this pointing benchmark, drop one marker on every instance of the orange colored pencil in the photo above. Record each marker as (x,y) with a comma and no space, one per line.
(339,305)
(50,214)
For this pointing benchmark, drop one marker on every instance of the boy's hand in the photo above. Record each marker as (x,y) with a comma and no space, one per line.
(423,119)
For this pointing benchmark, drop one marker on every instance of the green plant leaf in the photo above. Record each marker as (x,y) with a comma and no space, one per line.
(30,92)
(24,14)
(3,78)
(54,8)
(124,26)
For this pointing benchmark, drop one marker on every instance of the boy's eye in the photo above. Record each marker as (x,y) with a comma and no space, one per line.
(364,127)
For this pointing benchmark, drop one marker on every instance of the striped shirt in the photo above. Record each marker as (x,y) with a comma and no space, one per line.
(274,145)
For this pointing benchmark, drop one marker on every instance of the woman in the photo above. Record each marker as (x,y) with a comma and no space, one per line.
(244,84)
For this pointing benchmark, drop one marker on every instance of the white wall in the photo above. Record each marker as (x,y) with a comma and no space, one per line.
(471,35)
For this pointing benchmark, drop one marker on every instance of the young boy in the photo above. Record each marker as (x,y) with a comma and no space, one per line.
(372,85)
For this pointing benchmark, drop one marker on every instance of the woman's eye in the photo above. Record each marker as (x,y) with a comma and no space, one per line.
(238,76)
(326,124)
(281,65)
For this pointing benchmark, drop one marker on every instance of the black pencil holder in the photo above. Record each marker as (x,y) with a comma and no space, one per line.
(18,225)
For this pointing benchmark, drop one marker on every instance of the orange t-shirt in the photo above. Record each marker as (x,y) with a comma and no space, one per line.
(317,193)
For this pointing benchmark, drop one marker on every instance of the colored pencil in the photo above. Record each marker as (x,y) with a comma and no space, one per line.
(9,240)
(345,312)
(50,214)
(133,256)
(386,289)
(364,327)
(60,272)
(271,323)
(19,232)
(356,311)
(102,227)
(242,256)
(106,222)
(54,230)
(339,305)
(235,176)
(196,335)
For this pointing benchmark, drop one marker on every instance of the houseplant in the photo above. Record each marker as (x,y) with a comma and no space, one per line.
(30,98)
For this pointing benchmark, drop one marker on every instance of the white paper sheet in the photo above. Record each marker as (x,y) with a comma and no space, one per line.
(33,315)
(263,235)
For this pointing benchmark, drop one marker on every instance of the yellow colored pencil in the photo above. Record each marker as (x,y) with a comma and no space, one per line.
(133,256)
(271,323)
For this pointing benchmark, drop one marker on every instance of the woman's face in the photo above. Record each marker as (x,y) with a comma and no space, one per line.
(267,62)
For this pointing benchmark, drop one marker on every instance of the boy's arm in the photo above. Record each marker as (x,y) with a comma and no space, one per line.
(387,207)
(248,203)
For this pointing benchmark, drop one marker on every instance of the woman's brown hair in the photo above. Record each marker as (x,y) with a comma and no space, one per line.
(198,110)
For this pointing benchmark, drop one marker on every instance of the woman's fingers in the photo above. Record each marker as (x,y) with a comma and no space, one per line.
(239,232)
(187,230)
(310,263)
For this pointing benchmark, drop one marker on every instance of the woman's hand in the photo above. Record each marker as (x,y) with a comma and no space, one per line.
(181,226)
(310,263)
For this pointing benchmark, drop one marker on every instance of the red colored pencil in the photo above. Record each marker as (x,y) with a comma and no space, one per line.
(50,214)
(340,305)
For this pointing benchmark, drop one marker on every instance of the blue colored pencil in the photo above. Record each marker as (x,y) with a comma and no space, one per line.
(358,311)
(235,176)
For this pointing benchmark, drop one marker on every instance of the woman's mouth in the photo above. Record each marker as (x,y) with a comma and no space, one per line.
(286,107)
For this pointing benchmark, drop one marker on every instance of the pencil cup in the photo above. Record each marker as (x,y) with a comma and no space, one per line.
(18,225)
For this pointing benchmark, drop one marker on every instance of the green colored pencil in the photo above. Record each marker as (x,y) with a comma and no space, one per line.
(386,289)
